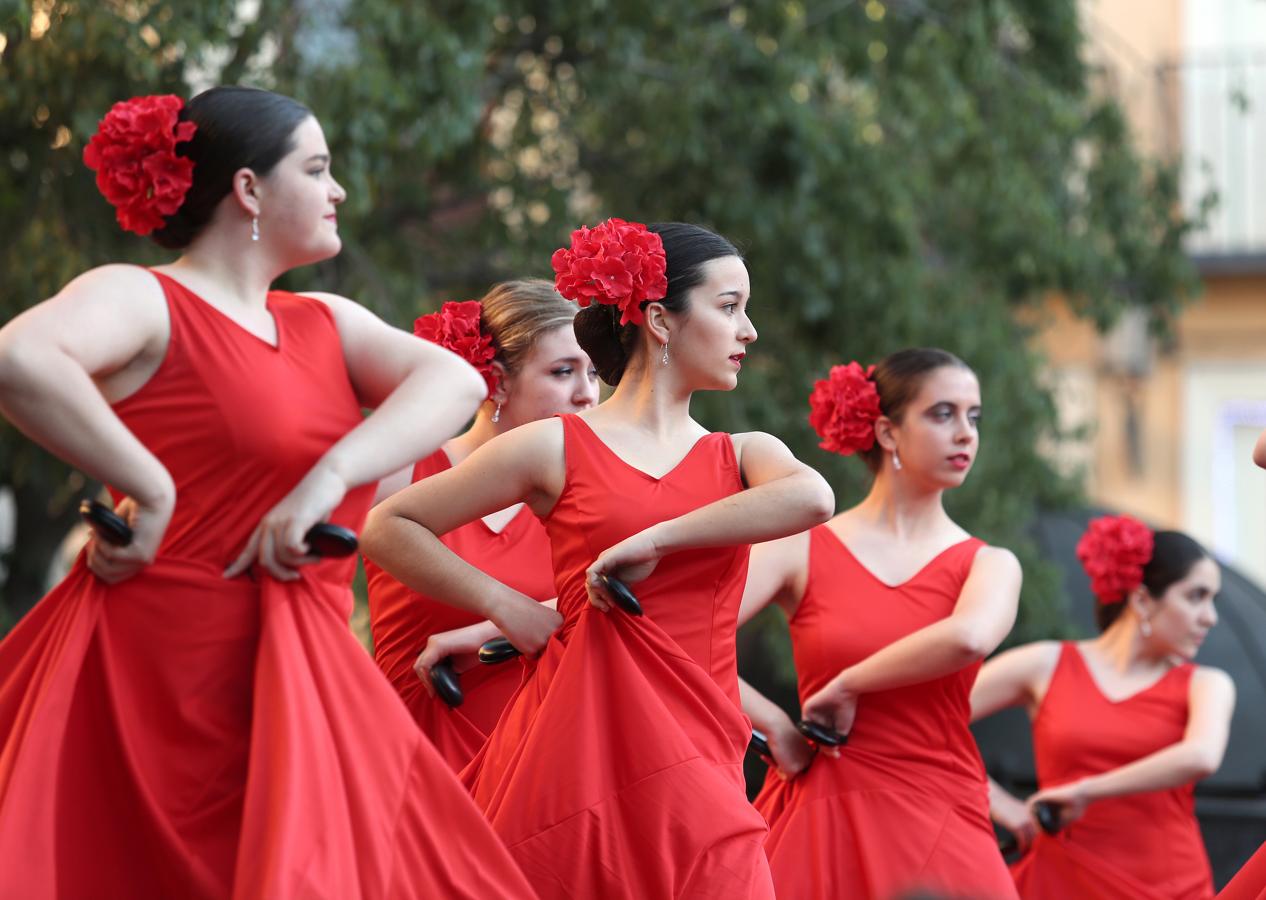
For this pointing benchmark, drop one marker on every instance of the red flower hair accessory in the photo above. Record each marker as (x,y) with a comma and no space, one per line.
(1113,551)
(459,327)
(617,263)
(134,156)
(843,409)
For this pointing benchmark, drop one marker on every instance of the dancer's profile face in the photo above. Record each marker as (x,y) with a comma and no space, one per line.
(298,199)
(1183,615)
(938,436)
(708,341)
(555,377)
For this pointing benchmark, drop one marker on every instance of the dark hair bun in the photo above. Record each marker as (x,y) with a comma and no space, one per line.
(609,344)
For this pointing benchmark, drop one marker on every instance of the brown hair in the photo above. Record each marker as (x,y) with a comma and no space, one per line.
(518,313)
(1174,554)
(898,377)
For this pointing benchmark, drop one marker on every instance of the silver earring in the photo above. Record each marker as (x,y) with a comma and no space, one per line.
(496,413)
(664,358)
(255,228)
(896,461)
(1146,628)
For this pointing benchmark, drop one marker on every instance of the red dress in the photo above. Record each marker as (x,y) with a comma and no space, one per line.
(905,807)
(1249,882)
(403,619)
(1136,847)
(616,770)
(184,735)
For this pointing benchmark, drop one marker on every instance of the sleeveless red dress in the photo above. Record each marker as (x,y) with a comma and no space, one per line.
(905,807)
(1135,847)
(402,620)
(616,770)
(184,735)
(1249,882)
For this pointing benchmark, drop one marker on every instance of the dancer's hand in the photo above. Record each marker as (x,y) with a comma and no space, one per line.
(1070,801)
(148,522)
(461,645)
(527,624)
(277,542)
(1013,815)
(834,706)
(631,560)
(792,753)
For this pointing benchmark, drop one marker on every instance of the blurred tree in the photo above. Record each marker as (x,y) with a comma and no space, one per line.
(910,172)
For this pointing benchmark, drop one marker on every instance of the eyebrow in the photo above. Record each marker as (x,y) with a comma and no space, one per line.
(734,292)
(320,157)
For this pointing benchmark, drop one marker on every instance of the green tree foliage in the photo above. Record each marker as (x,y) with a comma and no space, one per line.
(917,172)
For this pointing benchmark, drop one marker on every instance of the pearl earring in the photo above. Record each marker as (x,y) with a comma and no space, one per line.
(664,358)
(496,414)
(896,461)
(255,228)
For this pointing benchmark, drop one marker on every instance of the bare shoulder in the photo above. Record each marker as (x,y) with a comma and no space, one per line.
(343,308)
(121,287)
(758,442)
(993,561)
(1211,680)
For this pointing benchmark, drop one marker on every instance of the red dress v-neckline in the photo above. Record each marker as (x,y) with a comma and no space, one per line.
(893,587)
(632,468)
(237,326)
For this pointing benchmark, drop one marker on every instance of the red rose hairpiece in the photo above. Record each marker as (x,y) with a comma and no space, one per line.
(1113,551)
(843,409)
(134,156)
(617,263)
(459,327)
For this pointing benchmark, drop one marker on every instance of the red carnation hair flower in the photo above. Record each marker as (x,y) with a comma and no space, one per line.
(617,263)
(843,409)
(134,156)
(459,327)
(1113,551)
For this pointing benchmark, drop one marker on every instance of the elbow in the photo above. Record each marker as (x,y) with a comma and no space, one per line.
(820,504)
(1204,762)
(970,643)
(373,533)
(1259,453)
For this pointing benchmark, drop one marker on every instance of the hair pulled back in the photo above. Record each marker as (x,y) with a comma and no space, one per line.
(898,377)
(238,127)
(519,313)
(687,248)
(1173,556)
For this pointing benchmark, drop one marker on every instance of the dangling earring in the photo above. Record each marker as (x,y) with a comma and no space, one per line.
(664,358)
(496,414)
(896,460)
(1145,627)
(255,228)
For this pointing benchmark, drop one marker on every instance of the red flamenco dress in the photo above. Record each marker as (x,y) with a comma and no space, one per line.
(616,770)
(1135,847)
(1249,882)
(905,808)
(402,620)
(183,735)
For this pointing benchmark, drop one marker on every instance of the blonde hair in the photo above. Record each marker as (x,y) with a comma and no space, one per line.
(518,313)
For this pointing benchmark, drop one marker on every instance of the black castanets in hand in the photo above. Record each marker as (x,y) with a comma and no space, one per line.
(621,594)
(444,680)
(820,734)
(106,524)
(497,650)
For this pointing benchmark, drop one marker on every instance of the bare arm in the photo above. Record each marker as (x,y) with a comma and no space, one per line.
(776,573)
(982,617)
(1211,700)
(1018,677)
(423,395)
(107,329)
(524,465)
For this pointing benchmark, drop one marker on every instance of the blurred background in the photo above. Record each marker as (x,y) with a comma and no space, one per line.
(1069,195)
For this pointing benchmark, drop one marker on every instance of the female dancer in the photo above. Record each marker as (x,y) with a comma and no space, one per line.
(891,607)
(197,691)
(520,336)
(615,770)
(1123,725)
